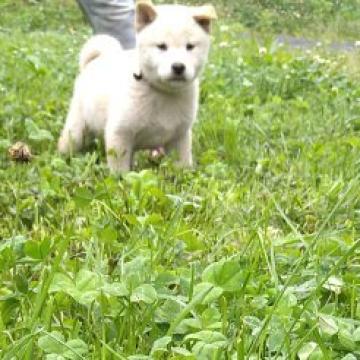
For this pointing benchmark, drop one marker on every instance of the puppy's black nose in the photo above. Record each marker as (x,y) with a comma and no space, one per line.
(178,68)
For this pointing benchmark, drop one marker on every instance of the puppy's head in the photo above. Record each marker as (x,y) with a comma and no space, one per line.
(173,42)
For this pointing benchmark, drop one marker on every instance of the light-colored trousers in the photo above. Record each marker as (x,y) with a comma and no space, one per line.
(112,17)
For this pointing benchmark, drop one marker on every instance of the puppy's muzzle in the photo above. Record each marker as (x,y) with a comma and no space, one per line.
(178,69)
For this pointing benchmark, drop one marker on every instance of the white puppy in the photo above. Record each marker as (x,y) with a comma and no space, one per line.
(145,98)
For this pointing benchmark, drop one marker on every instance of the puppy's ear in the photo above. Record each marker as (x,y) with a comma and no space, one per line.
(204,15)
(145,14)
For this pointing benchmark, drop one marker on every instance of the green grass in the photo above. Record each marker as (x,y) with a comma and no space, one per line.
(326,19)
(253,255)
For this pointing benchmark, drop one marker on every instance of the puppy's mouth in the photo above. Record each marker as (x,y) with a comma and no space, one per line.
(178,78)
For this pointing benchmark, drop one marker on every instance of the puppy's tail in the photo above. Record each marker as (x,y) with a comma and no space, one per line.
(97,46)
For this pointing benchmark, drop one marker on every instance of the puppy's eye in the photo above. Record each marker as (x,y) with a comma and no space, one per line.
(190,46)
(162,47)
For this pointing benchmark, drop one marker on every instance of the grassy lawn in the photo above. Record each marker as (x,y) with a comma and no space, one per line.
(255,254)
(315,18)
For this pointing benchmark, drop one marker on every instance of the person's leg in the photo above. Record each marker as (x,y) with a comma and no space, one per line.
(112,17)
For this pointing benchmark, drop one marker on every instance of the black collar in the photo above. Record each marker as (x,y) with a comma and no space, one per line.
(138,77)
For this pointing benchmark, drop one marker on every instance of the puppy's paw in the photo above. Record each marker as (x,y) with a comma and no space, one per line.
(68,144)
(117,167)
(119,160)
(185,161)
(180,164)
(64,145)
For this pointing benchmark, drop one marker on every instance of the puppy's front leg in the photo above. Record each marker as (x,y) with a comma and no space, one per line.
(119,151)
(183,147)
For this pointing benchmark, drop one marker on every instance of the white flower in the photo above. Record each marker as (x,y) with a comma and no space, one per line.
(224,28)
(223,44)
(334,284)
(247,83)
(319,59)
(262,50)
(240,61)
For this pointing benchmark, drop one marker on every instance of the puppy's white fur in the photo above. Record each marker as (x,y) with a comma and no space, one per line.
(156,110)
